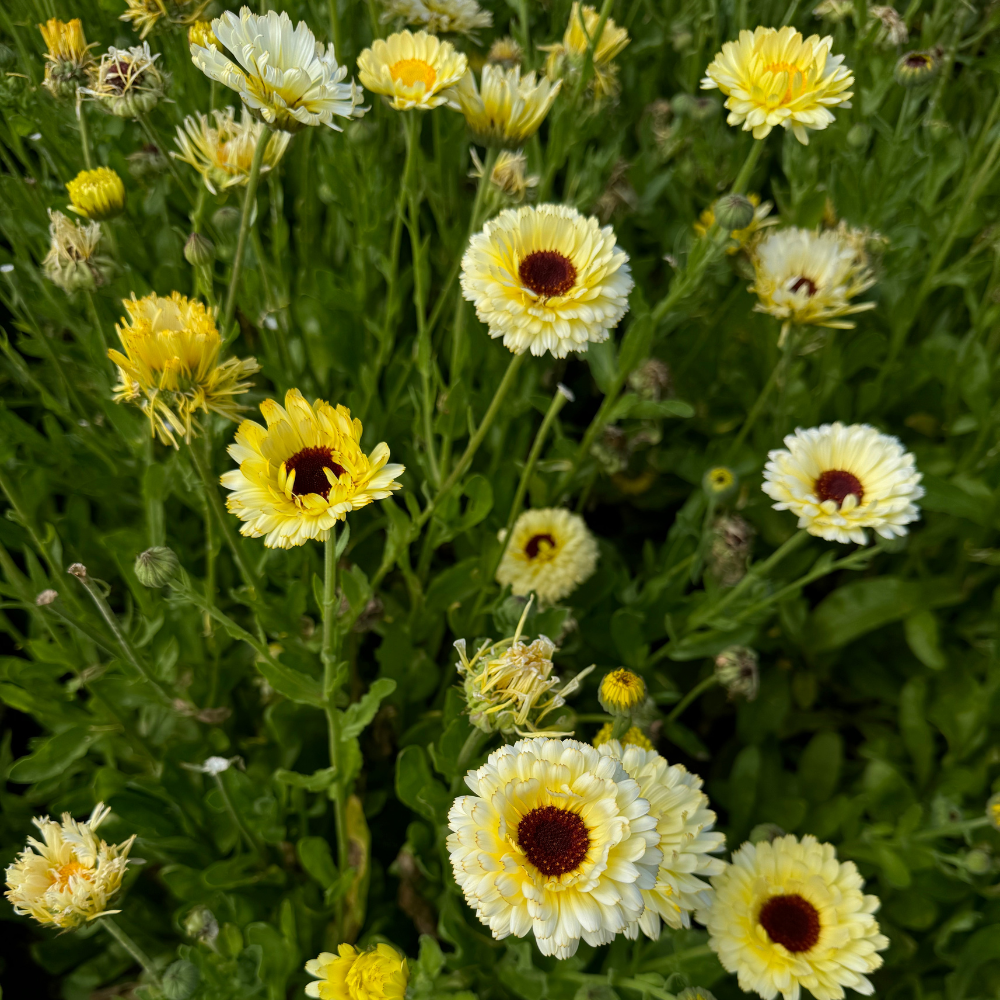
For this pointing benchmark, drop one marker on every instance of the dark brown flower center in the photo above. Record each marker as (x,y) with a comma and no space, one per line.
(918,60)
(118,75)
(310,477)
(547,273)
(802,282)
(535,543)
(837,485)
(554,840)
(791,921)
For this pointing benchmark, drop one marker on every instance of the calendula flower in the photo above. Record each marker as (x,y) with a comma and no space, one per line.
(69,876)
(555,840)
(223,152)
(144,14)
(550,551)
(284,76)
(97,194)
(634,737)
(73,260)
(440,17)
(787,915)
(505,52)
(171,368)
(547,278)
(67,60)
(352,974)
(686,840)
(509,174)
(621,692)
(740,238)
(508,109)
(303,472)
(775,77)
(127,82)
(840,480)
(807,277)
(567,57)
(200,33)
(412,70)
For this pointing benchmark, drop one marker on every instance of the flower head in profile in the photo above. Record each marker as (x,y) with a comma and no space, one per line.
(840,480)
(145,14)
(69,876)
(171,367)
(634,737)
(509,175)
(547,278)
(440,17)
(567,58)
(684,824)
(221,149)
(97,194)
(550,552)
(555,840)
(200,33)
(303,472)
(621,692)
(282,74)
(352,974)
(775,77)
(740,238)
(127,82)
(68,61)
(914,68)
(811,278)
(786,914)
(507,109)
(411,70)
(73,260)
(505,52)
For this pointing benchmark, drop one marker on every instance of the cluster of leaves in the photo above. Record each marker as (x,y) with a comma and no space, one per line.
(878,718)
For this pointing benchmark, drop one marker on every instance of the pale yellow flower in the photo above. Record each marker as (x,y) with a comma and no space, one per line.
(508,109)
(412,70)
(505,52)
(459,17)
(303,472)
(352,974)
(568,56)
(67,59)
(97,194)
(634,736)
(775,77)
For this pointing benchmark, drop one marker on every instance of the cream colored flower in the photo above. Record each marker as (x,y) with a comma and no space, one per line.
(127,82)
(567,57)
(508,109)
(556,841)
(634,736)
(547,278)
(762,219)
(69,876)
(73,261)
(223,153)
(551,552)
(840,480)
(788,915)
(412,70)
(686,840)
(441,17)
(303,472)
(807,277)
(509,174)
(379,974)
(284,75)
(775,77)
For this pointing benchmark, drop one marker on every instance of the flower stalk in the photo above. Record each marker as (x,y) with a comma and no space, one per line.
(126,941)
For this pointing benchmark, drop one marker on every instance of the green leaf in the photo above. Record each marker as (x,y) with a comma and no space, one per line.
(923,639)
(915,729)
(417,787)
(53,756)
(603,364)
(361,712)
(318,781)
(819,767)
(636,343)
(296,686)
(315,857)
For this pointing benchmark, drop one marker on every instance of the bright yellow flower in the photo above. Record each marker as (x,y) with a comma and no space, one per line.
(97,194)
(775,77)
(171,368)
(303,472)
(508,109)
(200,33)
(621,692)
(68,59)
(69,876)
(223,153)
(762,218)
(379,974)
(413,70)
(635,737)
(568,56)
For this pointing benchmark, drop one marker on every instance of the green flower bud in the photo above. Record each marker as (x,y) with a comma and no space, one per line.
(733,211)
(978,862)
(156,566)
(915,68)
(199,251)
(858,135)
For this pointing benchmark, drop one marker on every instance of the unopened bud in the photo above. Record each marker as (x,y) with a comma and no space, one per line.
(201,925)
(226,220)
(978,861)
(765,832)
(736,669)
(858,135)
(621,692)
(180,979)
(915,68)
(199,251)
(156,566)
(733,211)
(46,597)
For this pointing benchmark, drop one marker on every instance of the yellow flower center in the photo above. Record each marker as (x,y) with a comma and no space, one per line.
(410,72)
(794,73)
(64,873)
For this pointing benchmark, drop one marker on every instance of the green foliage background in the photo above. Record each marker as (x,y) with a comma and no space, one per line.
(877,722)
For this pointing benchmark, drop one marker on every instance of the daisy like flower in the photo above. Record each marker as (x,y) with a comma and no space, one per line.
(223,152)
(411,70)
(127,82)
(775,77)
(840,480)
(284,76)
(97,194)
(807,277)
(303,472)
(787,915)
(621,692)
(555,840)
(508,109)
(69,876)
(551,552)
(144,14)
(379,974)
(686,840)
(171,368)
(459,17)
(567,57)
(762,219)
(73,261)
(509,174)
(67,60)
(634,736)
(547,278)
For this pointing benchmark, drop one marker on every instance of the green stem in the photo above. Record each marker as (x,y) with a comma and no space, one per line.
(251,840)
(81,120)
(700,688)
(154,140)
(746,171)
(755,411)
(335,35)
(590,435)
(98,327)
(133,949)
(331,635)
(249,200)
(953,829)
(472,745)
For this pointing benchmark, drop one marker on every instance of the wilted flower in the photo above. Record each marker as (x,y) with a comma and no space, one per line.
(508,175)
(201,925)
(412,70)
(97,194)
(507,109)
(144,14)
(634,737)
(621,692)
(440,17)
(761,218)
(46,597)
(505,52)
(737,670)
(732,536)
(127,82)
(69,876)
(378,974)
(892,29)
(73,261)
(67,60)
(651,380)
(156,566)
(567,57)
(918,67)
(618,193)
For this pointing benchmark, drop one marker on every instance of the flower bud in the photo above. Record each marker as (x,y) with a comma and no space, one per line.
(156,566)
(915,68)
(719,482)
(736,669)
(684,105)
(621,692)
(7,57)
(978,861)
(993,811)
(199,251)
(733,211)
(147,163)
(97,194)
(227,221)
(858,135)
(765,832)
(201,925)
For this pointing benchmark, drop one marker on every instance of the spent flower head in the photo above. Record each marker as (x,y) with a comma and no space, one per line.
(127,82)
(68,61)
(440,17)
(74,261)
(505,52)
(509,174)
(737,669)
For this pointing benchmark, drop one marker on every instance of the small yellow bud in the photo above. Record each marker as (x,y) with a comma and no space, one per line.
(621,692)
(97,194)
